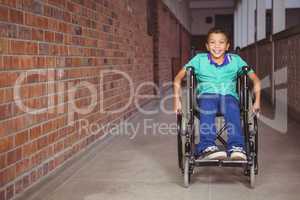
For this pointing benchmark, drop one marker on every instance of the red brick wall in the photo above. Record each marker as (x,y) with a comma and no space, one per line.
(286,55)
(170,45)
(67,42)
(250,56)
(185,46)
(263,66)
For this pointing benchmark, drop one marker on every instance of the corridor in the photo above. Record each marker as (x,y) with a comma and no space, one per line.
(143,165)
(86,96)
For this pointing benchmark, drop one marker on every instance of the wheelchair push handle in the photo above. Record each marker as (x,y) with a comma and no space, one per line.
(246,69)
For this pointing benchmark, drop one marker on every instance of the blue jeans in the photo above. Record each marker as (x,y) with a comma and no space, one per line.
(209,105)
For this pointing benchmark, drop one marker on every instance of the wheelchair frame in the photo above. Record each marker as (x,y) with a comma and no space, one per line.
(186,137)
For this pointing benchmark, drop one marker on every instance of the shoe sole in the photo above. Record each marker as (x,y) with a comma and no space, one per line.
(238,156)
(221,155)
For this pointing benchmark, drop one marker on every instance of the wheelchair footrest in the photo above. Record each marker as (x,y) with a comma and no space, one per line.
(221,163)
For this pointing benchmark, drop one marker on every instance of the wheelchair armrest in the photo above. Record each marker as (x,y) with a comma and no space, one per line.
(190,68)
(245,70)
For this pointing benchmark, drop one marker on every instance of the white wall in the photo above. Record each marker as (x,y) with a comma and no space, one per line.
(288,4)
(292,3)
(212,4)
(199,26)
(180,9)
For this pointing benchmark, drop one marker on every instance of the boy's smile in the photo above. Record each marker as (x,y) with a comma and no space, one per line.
(217,45)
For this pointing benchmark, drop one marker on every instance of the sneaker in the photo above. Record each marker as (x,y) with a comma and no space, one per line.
(213,153)
(237,153)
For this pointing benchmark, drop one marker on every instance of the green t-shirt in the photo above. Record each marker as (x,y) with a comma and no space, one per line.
(217,79)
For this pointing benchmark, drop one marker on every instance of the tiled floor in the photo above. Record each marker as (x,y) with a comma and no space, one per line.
(144,166)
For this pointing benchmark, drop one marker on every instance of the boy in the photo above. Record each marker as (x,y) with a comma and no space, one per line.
(216,73)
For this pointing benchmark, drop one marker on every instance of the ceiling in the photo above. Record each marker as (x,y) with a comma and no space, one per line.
(211,4)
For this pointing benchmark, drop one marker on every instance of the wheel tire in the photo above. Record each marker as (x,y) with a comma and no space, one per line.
(180,142)
(187,175)
(179,151)
(252,176)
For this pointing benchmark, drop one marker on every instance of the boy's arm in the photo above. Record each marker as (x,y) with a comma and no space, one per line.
(177,89)
(257,89)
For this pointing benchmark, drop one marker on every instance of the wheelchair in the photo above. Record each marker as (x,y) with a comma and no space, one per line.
(186,132)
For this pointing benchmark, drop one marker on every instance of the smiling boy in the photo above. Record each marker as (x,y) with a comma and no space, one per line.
(216,74)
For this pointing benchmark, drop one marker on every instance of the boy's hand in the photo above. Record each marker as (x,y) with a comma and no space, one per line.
(177,105)
(256,108)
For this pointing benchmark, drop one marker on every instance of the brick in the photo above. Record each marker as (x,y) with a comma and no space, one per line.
(22,166)
(12,31)
(30,19)
(35,132)
(36,7)
(19,186)
(7,175)
(21,47)
(5,111)
(4,46)
(6,95)
(2,195)
(26,62)
(29,149)
(6,144)
(21,138)
(42,142)
(3,162)
(8,78)
(26,181)
(45,169)
(20,122)
(3,13)
(18,47)
(59,38)
(10,192)
(36,21)
(38,34)
(10,3)
(49,36)
(63,27)
(58,3)
(11,157)
(43,49)
(33,176)
(16,16)
(33,78)
(31,48)
(67,17)
(25,33)
(1,63)
(53,24)
(10,62)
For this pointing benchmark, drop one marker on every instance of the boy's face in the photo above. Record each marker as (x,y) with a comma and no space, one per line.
(217,44)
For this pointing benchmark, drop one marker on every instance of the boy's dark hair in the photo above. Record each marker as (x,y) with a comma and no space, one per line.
(217,30)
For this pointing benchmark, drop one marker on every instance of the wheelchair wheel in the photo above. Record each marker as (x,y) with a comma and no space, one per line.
(253,130)
(187,174)
(252,176)
(180,149)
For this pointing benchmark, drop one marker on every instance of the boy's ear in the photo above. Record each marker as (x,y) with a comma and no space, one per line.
(228,45)
(206,46)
